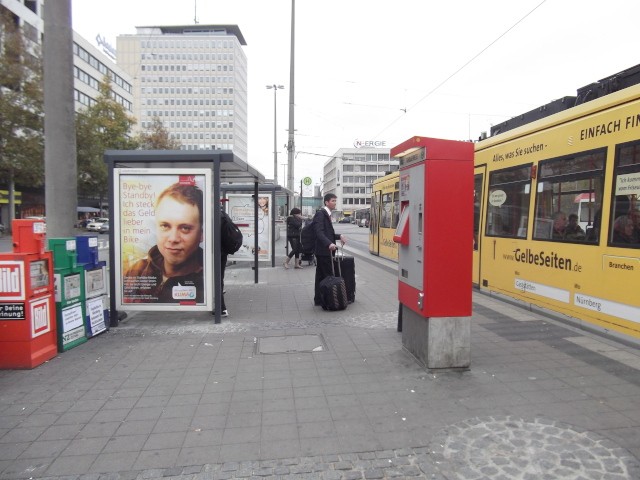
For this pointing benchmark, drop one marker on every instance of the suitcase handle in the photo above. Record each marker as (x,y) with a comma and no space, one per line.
(333,270)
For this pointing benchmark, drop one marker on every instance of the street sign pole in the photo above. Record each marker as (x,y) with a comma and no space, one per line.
(307,181)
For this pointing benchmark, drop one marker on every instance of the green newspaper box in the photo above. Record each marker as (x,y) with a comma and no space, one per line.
(69,293)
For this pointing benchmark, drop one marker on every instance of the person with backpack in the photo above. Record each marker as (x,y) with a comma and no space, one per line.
(294,226)
(230,243)
(325,245)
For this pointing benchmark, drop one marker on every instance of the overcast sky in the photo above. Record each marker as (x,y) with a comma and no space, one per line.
(457,67)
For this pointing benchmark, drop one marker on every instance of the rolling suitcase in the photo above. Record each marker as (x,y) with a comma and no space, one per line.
(347,269)
(333,292)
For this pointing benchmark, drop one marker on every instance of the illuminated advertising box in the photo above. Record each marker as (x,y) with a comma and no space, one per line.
(241,209)
(162,234)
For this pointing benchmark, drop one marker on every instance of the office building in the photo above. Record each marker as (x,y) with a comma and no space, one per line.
(90,65)
(350,174)
(192,78)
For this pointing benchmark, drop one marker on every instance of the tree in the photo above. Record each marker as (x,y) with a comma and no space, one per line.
(21,110)
(105,125)
(157,138)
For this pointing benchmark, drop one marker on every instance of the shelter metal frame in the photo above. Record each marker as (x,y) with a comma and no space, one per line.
(226,167)
(274,191)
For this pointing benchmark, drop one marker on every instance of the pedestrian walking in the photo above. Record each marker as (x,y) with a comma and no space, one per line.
(294,226)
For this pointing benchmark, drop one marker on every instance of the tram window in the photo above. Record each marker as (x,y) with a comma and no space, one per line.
(569,198)
(624,227)
(396,209)
(387,210)
(373,221)
(508,206)
(477,203)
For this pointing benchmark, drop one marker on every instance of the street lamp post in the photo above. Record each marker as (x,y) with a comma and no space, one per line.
(275,131)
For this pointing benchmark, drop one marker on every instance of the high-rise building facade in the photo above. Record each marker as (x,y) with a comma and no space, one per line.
(193,79)
(90,64)
(350,173)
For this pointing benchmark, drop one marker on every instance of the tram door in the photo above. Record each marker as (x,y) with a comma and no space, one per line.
(478,219)
(374,223)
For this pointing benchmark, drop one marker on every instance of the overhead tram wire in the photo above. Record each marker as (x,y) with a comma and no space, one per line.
(432,91)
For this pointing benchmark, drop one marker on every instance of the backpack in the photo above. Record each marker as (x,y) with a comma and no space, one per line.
(308,238)
(230,235)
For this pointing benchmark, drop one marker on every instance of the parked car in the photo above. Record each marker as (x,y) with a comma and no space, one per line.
(345,220)
(94,225)
(363,222)
(104,228)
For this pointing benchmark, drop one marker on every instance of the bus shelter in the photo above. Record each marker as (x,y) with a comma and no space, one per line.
(264,207)
(165,217)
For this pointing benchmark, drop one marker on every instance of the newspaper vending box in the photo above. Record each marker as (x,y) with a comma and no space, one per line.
(27,308)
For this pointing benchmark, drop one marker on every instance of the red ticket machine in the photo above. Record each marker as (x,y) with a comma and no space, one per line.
(27,306)
(434,236)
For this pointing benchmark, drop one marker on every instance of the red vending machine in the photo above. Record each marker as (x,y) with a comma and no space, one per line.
(27,306)
(435,237)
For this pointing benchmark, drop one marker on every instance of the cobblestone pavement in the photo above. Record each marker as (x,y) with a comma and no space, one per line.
(493,448)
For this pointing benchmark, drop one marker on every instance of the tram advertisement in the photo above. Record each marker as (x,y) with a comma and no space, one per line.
(161,235)
(241,208)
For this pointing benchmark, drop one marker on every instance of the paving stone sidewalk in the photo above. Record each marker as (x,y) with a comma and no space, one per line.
(173,397)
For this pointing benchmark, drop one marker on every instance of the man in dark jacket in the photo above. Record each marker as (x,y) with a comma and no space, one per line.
(224,257)
(325,242)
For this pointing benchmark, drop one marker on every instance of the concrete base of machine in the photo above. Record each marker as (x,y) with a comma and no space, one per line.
(437,342)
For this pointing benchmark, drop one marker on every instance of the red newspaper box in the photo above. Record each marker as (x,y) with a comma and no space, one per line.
(27,305)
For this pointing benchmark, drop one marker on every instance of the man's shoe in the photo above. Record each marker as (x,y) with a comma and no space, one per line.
(225,313)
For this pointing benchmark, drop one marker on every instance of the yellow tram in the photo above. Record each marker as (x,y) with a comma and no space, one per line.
(556,214)
(557,223)
(385,211)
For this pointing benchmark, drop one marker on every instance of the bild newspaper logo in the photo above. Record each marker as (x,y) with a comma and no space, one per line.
(40,321)
(12,280)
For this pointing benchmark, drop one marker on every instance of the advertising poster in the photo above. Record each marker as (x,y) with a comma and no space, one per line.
(240,208)
(162,232)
